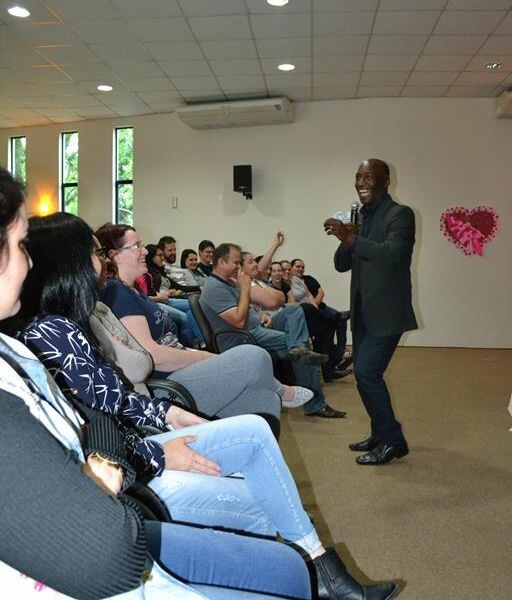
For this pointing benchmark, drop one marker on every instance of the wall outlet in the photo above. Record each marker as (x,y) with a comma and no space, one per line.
(174,201)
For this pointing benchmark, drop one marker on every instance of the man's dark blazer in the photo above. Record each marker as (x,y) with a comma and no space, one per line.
(381,270)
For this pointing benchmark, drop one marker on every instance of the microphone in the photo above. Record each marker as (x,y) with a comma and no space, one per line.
(352,216)
(354,213)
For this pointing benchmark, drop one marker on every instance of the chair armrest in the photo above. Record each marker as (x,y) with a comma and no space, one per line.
(244,336)
(183,396)
(148,502)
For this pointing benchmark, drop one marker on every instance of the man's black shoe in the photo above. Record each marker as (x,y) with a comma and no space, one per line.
(327,412)
(303,354)
(334,582)
(365,445)
(382,454)
(337,374)
(345,363)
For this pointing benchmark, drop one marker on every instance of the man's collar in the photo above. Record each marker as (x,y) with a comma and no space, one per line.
(217,276)
(366,210)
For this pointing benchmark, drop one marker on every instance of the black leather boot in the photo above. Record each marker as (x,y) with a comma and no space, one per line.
(336,583)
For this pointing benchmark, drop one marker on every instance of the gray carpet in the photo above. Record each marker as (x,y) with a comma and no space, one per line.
(440,519)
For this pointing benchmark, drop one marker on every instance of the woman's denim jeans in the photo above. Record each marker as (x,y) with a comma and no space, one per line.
(265,500)
(206,557)
(193,329)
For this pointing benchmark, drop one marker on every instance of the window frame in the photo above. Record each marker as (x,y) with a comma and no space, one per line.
(64,185)
(119,182)
(12,156)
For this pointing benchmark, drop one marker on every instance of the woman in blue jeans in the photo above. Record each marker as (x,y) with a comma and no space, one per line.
(51,475)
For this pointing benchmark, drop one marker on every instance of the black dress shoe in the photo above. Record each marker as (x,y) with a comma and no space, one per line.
(382,454)
(345,363)
(336,583)
(327,412)
(303,354)
(337,374)
(365,445)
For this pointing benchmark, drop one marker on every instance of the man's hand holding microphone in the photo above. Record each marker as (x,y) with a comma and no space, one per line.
(344,231)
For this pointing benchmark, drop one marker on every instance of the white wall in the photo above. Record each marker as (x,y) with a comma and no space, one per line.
(443,153)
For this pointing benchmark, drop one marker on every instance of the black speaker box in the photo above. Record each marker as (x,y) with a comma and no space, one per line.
(242,180)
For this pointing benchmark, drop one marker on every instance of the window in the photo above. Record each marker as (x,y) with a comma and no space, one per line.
(69,172)
(18,158)
(123,175)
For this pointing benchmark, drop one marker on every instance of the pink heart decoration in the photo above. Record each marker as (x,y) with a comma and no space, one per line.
(470,228)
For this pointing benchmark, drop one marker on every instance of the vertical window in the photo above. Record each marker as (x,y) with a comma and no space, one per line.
(18,158)
(123,191)
(69,172)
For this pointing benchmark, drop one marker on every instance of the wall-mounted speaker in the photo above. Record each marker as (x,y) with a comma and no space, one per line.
(242,180)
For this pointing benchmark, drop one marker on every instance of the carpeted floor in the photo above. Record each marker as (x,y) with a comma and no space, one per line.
(440,519)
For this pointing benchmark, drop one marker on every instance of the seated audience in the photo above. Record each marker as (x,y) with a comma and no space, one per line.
(321,324)
(287,270)
(190,265)
(278,283)
(206,249)
(343,360)
(271,479)
(180,277)
(237,382)
(62,520)
(158,287)
(226,301)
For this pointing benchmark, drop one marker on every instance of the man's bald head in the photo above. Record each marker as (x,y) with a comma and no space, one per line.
(378,164)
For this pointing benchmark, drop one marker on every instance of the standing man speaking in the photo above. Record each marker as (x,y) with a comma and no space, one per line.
(379,254)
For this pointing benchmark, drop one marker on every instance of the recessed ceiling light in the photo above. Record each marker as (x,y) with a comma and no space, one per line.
(277,2)
(494,65)
(105,88)
(286,67)
(18,11)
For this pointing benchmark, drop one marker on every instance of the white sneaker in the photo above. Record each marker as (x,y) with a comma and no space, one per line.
(301,396)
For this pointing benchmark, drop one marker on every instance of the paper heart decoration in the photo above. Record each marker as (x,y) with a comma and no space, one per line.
(470,228)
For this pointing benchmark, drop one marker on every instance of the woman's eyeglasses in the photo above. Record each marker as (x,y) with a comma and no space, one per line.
(101,252)
(138,246)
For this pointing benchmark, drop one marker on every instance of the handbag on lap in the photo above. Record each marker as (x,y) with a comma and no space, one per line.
(119,347)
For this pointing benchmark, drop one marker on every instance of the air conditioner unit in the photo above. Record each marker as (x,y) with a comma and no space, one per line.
(503,107)
(272,111)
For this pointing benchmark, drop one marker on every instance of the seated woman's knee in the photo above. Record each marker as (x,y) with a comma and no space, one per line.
(253,358)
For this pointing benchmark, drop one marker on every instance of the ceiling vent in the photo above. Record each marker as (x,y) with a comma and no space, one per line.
(272,111)
(504,105)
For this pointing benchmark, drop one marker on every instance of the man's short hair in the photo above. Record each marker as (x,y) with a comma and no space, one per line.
(222,251)
(295,260)
(203,244)
(166,239)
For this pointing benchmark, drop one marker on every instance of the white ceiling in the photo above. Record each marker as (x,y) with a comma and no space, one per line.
(159,54)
